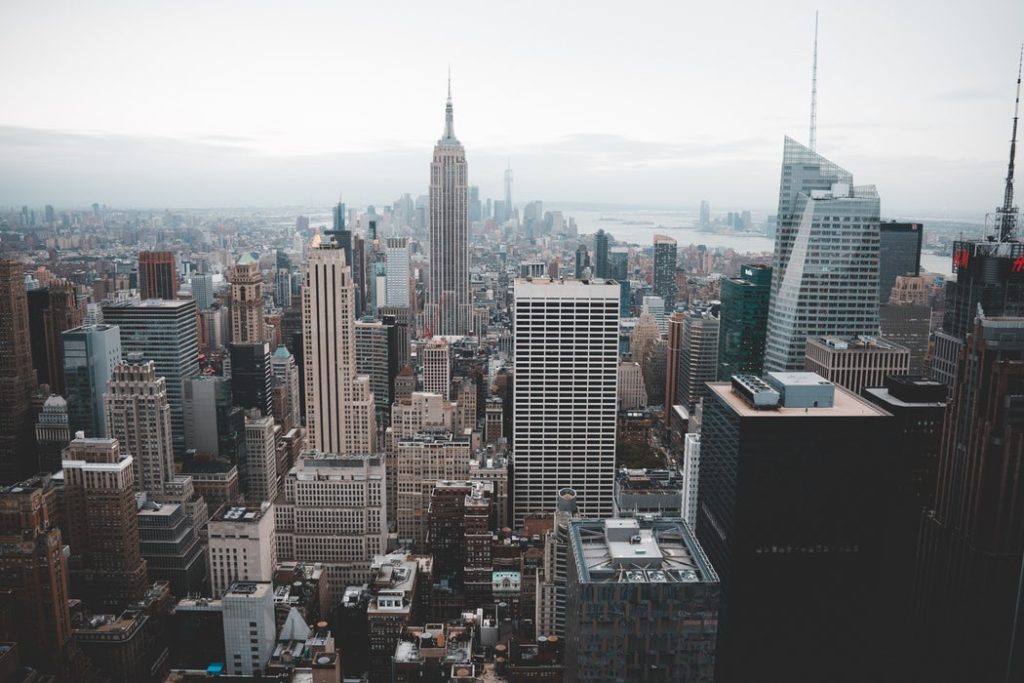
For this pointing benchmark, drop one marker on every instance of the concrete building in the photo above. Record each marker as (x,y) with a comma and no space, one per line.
(53,433)
(437,368)
(691,477)
(654,578)
(565,393)
(377,358)
(460,519)
(171,547)
(909,326)
(213,425)
(698,355)
(52,310)
(241,546)
(826,251)
(340,415)
(202,290)
(164,332)
(139,418)
(421,461)
(90,355)
(449,305)
(640,492)
(247,322)
(249,629)
(261,480)
(17,377)
(321,489)
(436,652)
(494,469)
(396,255)
(392,608)
(856,363)
(287,401)
(158,275)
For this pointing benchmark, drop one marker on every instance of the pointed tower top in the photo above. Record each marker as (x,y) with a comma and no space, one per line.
(813,141)
(449,117)
(1006,215)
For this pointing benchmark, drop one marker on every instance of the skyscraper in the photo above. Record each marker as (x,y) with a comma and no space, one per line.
(601,254)
(165,333)
(242,546)
(857,362)
(377,358)
(899,254)
(340,413)
(51,311)
(101,523)
(508,191)
(246,301)
(582,262)
(202,290)
(449,302)
(90,355)
(705,213)
(744,321)
(665,270)
(698,356)
(261,482)
(53,433)
(826,252)
(139,418)
(249,628)
(17,377)
(566,391)
(800,531)
(437,368)
(158,277)
(396,255)
(251,376)
(287,401)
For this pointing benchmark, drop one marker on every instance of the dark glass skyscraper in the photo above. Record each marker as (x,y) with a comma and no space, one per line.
(744,321)
(899,254)
(601,254)
(665,270)
(17,377)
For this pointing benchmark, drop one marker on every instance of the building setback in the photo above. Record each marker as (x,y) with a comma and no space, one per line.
(856,363)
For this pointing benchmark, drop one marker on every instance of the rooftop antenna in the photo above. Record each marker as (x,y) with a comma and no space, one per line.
(814,89)
(1007,213)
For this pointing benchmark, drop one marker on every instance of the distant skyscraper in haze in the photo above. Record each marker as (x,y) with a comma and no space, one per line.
(899,254)
(339,404)
(246,301)
(508,191)
(665,270)
(158,277)
(449,304)
(744,321)
(601,254)
(582,262)
(705,213)
(826,254)
(202,290)
(565,416)
(17,377)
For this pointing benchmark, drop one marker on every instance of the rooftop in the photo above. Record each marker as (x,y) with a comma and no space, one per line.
(542,287)
(845,404)
(858,343)
(241,514)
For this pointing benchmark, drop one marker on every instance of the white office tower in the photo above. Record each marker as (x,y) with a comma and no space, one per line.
(691,477)
(340,413)
(241,546)
(437,368)
(448,310)
(260,458)
(249,629)
(333,512)
(825,269)
(139,417)
(396,264)
(565,395)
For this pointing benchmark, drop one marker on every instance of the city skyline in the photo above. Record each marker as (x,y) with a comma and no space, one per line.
(618,135)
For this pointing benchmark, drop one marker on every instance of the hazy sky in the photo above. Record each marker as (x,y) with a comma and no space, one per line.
(229,103)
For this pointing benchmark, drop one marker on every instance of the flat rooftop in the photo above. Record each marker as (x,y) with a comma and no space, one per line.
(559,288)
(240,514)
(845,404)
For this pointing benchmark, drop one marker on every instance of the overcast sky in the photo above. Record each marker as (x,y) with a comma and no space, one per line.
(255,103)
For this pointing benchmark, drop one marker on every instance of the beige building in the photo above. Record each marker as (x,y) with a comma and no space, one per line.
(260,457)
(437,367)
(247,321)
(340,415)
(632,390)
(855,363)
(242,546)
(420,461)
(332,511)
(139,417)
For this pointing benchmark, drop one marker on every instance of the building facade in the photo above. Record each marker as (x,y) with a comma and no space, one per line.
(90,356)
(744,321)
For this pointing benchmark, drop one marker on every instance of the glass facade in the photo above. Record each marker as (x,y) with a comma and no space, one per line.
(744,321)
(900,254)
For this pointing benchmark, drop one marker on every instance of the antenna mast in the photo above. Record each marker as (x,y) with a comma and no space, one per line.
(1007,213)
(814,90)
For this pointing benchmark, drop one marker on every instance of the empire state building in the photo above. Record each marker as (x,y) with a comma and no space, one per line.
(449,310)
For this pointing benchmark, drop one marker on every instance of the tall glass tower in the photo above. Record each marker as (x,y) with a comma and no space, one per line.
(825,269)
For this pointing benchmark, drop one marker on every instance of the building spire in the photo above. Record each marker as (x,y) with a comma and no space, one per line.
(449,118)
(814,90)
(1008,212)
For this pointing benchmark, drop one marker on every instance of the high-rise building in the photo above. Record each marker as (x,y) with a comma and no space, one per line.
(340,413)
(566,392)
(287,401)
(101,523)
(163,332)
(246,301)
(321,489)
(826,252)
(437,368)
(213,425)
(170,545)
(51,311)
(673,349)
(698,355)
(139,419)
(17,377)
(899,254)
(816,521)
(396,255)
(261,482)
(856,363)
(377,358)
(705,213)
(202,290)
(90,355)
(967,588)
(53,433)
(242,546)
(908,325)
(743,320)
(583,262)
(420,461)
(158,276)
(651,572)
(632,390)
(250,631)
(601,255)
(664,280)
(252,383)
(691,477)
(34,589)
(450,306)
(641,492)
(460,519)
